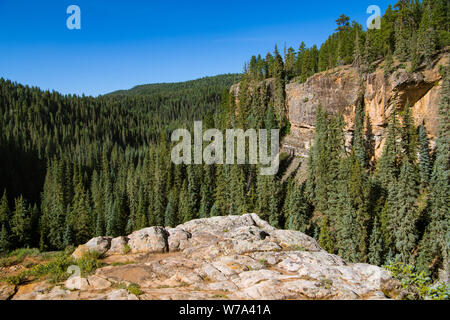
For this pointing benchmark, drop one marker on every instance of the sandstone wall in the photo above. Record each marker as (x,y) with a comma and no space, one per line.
(340,90)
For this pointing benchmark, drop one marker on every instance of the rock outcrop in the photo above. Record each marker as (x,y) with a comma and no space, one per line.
(342,89)
(232,257)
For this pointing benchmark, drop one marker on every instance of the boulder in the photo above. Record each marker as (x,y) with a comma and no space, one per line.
(294,240)
(98,283)
(178,239)
(77,283)
(149,240)
(99,245)
(119,246)
(120,294)
(6,291)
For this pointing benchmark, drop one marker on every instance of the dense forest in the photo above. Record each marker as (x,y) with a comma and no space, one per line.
(77,167)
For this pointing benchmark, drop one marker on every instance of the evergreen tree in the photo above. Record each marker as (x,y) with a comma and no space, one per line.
(402,30)
(357,57)
(214,211)
(21,222)
(5,213)
(415,55)
(405,213)
(424,156)
(427,34)
(389,162)
(170,216)
(359,145)
(409,135)
(388,62)
(325,240)
(296,209)
(274,210)
(68,238)
(184,208)
(434,248)
(4,239)
(375,255)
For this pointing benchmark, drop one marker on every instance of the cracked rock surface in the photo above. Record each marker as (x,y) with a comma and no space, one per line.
(232,257)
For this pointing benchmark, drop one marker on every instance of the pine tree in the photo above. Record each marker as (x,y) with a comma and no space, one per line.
(359,145)
(402,31)
(296,208)
(427,35)
(184,208)
(357,57)
(170,216)
(409,134)
(68,238)
(279,94)
(388,164)
(434,248)
(388,62)
(325,240)
(347,232)
(424,156)
(415,55)
(21,222)
(274,210)
(358,189)
(4,239)
(214,211)
(99,205)
(221,191)
(5,216)
(405,213)
(141,214)
(375,255)
(81,213)
(207,191)
(369,55)
(237,189)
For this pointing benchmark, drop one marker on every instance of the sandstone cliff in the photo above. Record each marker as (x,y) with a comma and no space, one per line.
(341,89)
(233,257)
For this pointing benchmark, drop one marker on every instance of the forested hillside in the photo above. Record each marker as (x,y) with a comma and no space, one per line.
(207,85)
(76,167)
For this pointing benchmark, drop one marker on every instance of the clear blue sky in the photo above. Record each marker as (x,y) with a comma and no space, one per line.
(125,43)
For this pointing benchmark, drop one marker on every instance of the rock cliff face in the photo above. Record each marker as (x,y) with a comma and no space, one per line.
(233,257)
(341,90)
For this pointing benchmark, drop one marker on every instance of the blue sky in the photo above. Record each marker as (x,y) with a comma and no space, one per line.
(125,43)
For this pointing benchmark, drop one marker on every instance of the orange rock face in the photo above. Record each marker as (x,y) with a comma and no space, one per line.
(342,89)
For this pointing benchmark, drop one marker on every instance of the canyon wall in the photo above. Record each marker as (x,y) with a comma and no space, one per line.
(342,89)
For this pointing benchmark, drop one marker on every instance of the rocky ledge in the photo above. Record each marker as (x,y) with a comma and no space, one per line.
(233,257)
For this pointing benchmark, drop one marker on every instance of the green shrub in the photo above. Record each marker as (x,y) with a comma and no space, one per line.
(418,283)
(17,256)
(56,269)
(89,263)
(135,289)
(126,249)
(9,261)
(441,292)
(17,280)
(23,253)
